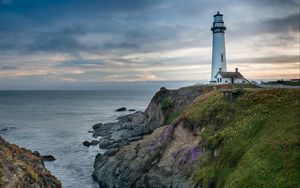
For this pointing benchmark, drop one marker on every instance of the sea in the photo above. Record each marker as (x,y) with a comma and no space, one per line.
(57,122)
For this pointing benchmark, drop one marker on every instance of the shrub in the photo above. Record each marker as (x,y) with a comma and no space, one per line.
(166,103)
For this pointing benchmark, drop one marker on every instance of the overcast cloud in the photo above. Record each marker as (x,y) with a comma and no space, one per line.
(67,42)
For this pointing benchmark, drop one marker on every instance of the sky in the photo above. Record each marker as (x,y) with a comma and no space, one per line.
(92,43)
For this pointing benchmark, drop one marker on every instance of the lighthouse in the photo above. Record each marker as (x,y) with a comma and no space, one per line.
(218,46)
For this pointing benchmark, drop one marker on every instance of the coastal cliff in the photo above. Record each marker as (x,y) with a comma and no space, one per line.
(196,137)
(19,167)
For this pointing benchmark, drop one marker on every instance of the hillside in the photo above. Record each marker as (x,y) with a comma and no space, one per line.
(21,168)
(206,140)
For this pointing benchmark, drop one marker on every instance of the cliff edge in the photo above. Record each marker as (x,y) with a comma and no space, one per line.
(197,137)
(19,167)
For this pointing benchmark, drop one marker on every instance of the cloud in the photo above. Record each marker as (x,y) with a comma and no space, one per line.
(8,67)
(286,24)
(153,39)
(121,45)
(281,59)
(65,40)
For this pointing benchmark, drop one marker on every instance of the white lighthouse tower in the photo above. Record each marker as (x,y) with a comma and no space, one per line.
(218,49)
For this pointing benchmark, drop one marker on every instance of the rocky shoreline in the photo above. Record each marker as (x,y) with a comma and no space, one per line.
(197,137)
(135,143)
(20,167)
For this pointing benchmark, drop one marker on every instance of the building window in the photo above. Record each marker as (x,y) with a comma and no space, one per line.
(222,57)
(220,79)
(225,81)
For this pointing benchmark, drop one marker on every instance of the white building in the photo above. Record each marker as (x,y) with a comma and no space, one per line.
(218,48)
(230,77)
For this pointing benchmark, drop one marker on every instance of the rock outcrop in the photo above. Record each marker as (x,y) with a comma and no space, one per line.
(140,146)
(20,167)
(196,137)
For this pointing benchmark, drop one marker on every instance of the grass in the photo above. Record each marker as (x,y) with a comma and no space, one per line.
(172,116)
(166,103)
(258,136)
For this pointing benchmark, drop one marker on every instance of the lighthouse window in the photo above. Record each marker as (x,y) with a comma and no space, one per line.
(222,58)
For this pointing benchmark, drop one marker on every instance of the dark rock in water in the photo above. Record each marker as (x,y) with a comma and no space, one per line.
(121,109)
(91,131)
(131,110)
(97,126)
(92,143)
(4,129)
(48,158)
(86,143)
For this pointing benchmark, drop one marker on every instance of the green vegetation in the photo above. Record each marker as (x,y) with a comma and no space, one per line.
(171,117)
(255,138)
(284,82)
(166,103)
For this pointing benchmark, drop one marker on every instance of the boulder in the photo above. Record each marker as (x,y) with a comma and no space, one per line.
(48,158)
(122,109)
(131,110)
(36,153)
(97,126)
(86,143)
(94,142)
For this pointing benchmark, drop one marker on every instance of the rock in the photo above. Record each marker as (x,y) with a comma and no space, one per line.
(22,168)
(121,109)
(131,110)
(4,129)
(97,126)
(36,153)
(138,118)
(104,143)
(163,89)
(48,158)
(111,152)
(119,135)
(114,145)
(86,143)
(131,160)
(136,138)
(91,131)
(94,142)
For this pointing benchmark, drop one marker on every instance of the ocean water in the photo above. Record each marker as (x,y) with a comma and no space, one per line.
(57,122)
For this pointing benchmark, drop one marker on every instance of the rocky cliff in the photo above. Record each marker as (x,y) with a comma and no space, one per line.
(21,168)
(196,137)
